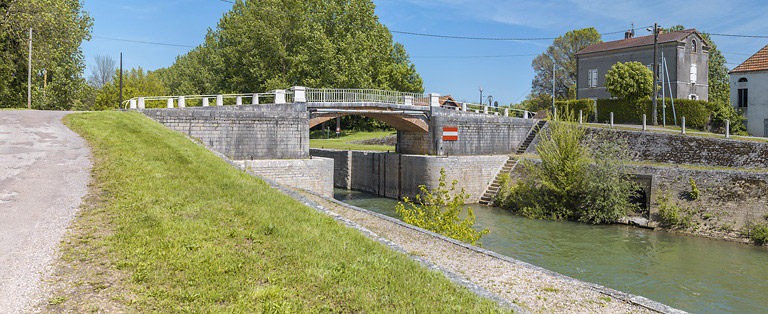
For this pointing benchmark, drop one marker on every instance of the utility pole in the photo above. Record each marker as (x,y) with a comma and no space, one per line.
(655,74)
(554,109)
(481,95)
(29,73)
(120,104)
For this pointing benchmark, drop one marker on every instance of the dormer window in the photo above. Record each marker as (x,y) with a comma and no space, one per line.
(743,80)
(693,46)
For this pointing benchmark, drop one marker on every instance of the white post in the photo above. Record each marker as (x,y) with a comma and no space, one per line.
(727,128)
(495,113)
(683,129)
(182,101)
(133,103)
(506,112)
(464,106)
(141,102)
(645,126)
(299,94)
(255,99)
(580,121)
(219,100)
(525,114)
(239,100)
(205,102)
(611,119)
(279,96)
(434,99)
(477,111)
(485,109)
(408,100)
(170,102)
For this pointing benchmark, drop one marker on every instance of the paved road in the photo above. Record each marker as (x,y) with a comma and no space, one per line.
(44,172)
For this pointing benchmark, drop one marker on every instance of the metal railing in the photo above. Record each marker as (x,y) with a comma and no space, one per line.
(209,100)
(327,95)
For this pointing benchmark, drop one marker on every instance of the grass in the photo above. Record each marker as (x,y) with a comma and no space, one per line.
(317,141)
(193,234)
(656,164)
(677,130)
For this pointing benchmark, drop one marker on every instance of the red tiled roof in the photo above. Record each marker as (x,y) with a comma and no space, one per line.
(448,100)
(757,62)
(637,41)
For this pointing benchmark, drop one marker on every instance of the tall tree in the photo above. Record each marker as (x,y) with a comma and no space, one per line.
(563,53)
(103,72)
(631,81)
(719,82)
(136,83)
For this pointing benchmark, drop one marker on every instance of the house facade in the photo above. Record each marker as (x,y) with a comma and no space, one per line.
(749,92)
(686,54)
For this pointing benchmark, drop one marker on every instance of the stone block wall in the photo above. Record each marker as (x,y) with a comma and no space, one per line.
(243,132)
(315,174)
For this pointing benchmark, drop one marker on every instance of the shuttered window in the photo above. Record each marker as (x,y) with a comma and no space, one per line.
(693,73)
(593,78)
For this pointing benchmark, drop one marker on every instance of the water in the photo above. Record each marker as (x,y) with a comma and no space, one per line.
(693,274)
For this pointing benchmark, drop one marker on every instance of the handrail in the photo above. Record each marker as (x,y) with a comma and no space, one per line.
(328,95)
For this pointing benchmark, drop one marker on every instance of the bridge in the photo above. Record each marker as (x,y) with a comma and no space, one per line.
(276,124)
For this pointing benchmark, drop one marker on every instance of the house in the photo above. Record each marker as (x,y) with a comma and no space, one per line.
(448,102)
(686,54)
(749,91)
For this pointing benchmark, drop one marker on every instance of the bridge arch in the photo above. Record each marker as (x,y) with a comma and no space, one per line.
(400,121)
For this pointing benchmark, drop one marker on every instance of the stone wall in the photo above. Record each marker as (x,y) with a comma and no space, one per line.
(479,134)
(397,175)
(243,132)
(315,174)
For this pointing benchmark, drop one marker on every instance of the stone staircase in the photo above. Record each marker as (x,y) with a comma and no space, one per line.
(531,136)
(493,189)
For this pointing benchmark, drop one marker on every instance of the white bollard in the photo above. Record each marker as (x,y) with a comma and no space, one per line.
(170,102)
(477,111)
(580,121)
(279,96)
(683,129)
(434,99)
(645,126)
(464,107)
(611,119)
(141,102)
(255,99)
(133,103)
(495,113)
(182,101)
(239,100)
(485,109)
(219,100)
(205,102)
(506,112)
(299,94)
(727,128)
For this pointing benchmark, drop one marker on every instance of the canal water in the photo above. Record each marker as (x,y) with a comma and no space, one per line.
(693,274)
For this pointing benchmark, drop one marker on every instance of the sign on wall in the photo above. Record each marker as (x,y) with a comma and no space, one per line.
(450,133)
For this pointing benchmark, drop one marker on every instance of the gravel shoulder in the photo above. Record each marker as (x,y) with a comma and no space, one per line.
(44,174)
(536,290)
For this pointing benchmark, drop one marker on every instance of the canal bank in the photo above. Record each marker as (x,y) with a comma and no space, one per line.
(695,274)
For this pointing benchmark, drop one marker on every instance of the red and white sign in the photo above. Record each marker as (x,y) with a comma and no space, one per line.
(450,134)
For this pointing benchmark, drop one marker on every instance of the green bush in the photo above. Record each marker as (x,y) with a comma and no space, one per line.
(439,212)
(572,108)
(694,190)
(757,232)
(670,214)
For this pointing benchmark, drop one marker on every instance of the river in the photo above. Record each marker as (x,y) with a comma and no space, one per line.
(694,274)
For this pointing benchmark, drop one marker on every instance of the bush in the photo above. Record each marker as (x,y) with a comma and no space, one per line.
(757,232)
(572,108)
(694,190)
(670,214)
(437,211)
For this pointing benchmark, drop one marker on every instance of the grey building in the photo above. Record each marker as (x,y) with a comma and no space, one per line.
(686,54)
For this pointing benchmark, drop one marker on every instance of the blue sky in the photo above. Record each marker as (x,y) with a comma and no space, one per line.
(507,79)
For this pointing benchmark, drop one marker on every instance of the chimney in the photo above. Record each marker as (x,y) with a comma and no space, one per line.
(628,34)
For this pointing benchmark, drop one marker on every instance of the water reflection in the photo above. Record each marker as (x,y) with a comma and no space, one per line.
(693,274)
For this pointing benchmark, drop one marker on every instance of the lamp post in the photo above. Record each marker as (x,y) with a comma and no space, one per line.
(481,94)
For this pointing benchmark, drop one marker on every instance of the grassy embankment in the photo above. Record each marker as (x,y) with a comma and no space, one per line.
(677,130)
(318,141)
(193,234)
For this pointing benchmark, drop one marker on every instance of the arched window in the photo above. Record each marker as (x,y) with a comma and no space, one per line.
(743,80)
(693,46)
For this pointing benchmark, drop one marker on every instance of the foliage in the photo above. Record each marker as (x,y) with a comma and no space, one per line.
(578,178)
(440,212)
(317,140)
(631,81)
(136,83)
(59,28)
(102,73)
(536,102)
(757,232)
(563,51)
(719,81)
(670,214)
(694,194)
(572,107)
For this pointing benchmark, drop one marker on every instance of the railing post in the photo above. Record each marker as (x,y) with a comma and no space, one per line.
(645,126)
(683,129)
(133,103)
(464,106)
(141,102)
(170,102)
(525,114)
(299,94)
(580,121)
(408,100)
(239,100)
(477,111)
(255,99)
(611,119)
(279,96)
(219,100)
(506,112)
(485,109)
(182,101)
(727,128)
(205,102)
(434,99)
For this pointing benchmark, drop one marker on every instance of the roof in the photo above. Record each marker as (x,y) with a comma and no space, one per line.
(447,100)
(757,62)
(638,41)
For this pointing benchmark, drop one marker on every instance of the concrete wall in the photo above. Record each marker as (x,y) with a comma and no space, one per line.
(479,134)
(315,174)
(757,110)
(243,132)
(397,175)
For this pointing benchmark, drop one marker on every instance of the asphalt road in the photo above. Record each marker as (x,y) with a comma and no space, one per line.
(44,173)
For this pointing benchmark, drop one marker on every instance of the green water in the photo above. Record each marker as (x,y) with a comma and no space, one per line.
(693,274)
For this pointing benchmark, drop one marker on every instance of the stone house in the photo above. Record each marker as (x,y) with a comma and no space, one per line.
(749,91)
(686,54)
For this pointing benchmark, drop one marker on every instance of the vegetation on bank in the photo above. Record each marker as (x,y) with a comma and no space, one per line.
(318,140)
(195,234)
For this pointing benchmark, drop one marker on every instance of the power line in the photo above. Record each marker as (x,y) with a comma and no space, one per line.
(144,42)
(738,35)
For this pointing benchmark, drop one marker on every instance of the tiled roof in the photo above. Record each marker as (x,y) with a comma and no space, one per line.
(447,100)
(757,62)
(637,41)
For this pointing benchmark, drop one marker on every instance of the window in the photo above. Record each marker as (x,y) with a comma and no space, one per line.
(593,78)
(693,46)
(743,80)
(693,73)
(743,100)
(693,97)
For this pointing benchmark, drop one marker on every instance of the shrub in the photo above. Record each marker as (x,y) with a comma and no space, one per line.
(572,107)
(439,212)
(670,214)
(757,232)
(694,190)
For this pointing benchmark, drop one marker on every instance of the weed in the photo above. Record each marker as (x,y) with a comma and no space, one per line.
(707,216)
(694,190)
(670,213)
(605,299)
(551,289)
(726,227)
(756,232)
(57,300)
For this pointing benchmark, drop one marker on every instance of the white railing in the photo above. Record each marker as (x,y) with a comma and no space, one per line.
(328,95)
(277,96)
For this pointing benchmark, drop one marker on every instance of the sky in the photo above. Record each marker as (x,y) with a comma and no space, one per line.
(448,66)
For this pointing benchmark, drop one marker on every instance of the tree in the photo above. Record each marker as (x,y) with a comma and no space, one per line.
(136,83)
(563,51)
(103,72)
(631,81)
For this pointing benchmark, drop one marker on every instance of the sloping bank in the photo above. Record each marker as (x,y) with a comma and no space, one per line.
(191,233)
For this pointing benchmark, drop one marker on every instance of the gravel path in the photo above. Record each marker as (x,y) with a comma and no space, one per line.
(44,173)
(536,290)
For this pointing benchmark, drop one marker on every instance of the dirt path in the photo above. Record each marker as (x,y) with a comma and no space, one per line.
(44,173)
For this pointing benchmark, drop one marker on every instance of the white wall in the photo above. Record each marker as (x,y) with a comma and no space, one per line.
(757,110)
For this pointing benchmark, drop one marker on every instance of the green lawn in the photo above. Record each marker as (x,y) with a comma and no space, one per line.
(317,141)
(677,130)
(194,234)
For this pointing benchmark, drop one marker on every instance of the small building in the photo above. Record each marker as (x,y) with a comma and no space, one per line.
(448,102)
(686,54)
(749,92)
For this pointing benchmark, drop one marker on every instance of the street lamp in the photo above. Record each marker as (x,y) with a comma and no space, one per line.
(481,94)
